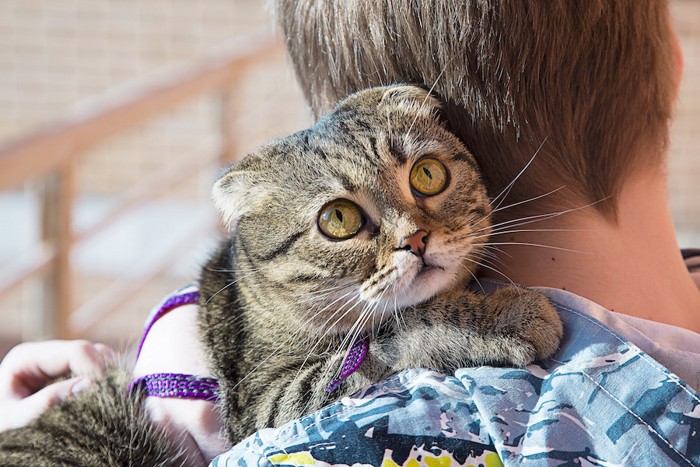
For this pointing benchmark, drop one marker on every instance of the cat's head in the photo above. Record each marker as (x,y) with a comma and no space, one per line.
(375,208)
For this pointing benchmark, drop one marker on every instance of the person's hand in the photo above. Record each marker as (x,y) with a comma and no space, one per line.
(172,346)
(27,369)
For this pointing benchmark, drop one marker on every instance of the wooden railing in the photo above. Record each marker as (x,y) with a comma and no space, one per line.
(48,159)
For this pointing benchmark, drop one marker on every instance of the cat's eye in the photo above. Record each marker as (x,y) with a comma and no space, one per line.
(340,219)
(428,176)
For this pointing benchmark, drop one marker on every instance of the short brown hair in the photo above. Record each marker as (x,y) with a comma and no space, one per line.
(590,81)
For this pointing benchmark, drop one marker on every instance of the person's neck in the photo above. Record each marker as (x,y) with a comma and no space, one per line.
(634,267)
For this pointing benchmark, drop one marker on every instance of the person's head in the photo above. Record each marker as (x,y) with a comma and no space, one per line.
(589,81)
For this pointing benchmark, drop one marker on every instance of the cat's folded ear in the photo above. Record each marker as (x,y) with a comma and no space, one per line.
(414,99)
(232,194)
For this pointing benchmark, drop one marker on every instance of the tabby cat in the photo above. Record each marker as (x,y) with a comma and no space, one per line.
(369,225)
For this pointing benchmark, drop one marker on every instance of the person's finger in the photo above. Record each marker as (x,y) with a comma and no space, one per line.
(106,352)
(87,358)
(29,366)
(19,413)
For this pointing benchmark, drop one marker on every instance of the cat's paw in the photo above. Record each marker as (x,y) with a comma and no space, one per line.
(527,317)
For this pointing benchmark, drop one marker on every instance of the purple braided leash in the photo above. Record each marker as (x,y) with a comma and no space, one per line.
(174,385)
(177,385)
(356,355)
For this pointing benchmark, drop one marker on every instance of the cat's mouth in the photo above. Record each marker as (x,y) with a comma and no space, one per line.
(428,280)
(416,279)
(427,268)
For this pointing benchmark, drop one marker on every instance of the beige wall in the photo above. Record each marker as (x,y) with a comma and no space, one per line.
(684,167)
(56,54)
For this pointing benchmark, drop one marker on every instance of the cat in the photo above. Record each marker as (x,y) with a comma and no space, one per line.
(369,226)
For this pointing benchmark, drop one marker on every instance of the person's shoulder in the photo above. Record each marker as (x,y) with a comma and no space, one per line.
(599,399)
(618,401)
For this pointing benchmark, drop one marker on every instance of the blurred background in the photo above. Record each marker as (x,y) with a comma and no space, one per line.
(114,116)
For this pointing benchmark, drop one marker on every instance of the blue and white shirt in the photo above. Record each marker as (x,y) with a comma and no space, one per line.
(599,401)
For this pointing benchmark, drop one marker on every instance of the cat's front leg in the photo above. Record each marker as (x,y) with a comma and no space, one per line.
(513,326)
(526,317)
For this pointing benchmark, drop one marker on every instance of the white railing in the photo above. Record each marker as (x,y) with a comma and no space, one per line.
(49,158)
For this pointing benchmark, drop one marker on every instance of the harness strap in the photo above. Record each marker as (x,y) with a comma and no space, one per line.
(174,385)
(352,361)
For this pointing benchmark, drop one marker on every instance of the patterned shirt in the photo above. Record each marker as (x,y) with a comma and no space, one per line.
(600,400)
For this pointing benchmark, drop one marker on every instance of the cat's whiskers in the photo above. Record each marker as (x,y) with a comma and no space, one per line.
(471,273)
(274,353)
(373,326)
(246,274)
(330,305)
(312,300)
(370,286)
(381,318)
(368,311)
(510,227)
(372,312)
(349,338)
(395,313)
(502,227)
(508,232)
(518,222)
(478,282)
(293,336)
(239,267)
(321,299)
(487,258)
(501,197)
(324,309)
(399,311)
(321,291)
(425,101)
(539,245)
(489,268)
(330,328)
(529,200)
(356,328)
(506,191)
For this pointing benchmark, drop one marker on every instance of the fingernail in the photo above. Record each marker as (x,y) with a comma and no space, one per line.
(82,385)
(107,353)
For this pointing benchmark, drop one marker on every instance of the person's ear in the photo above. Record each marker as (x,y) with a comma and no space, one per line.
(679,63)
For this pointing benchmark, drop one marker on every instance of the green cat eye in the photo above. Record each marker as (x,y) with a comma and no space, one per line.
(340,219)
(428,176)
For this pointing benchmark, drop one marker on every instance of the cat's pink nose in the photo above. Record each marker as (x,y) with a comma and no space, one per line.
(415,243)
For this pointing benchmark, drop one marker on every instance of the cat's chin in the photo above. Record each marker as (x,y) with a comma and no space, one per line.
(416,282)
(428,282)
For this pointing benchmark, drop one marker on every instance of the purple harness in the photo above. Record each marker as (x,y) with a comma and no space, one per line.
(356,355)
(184,386)
(176,385)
